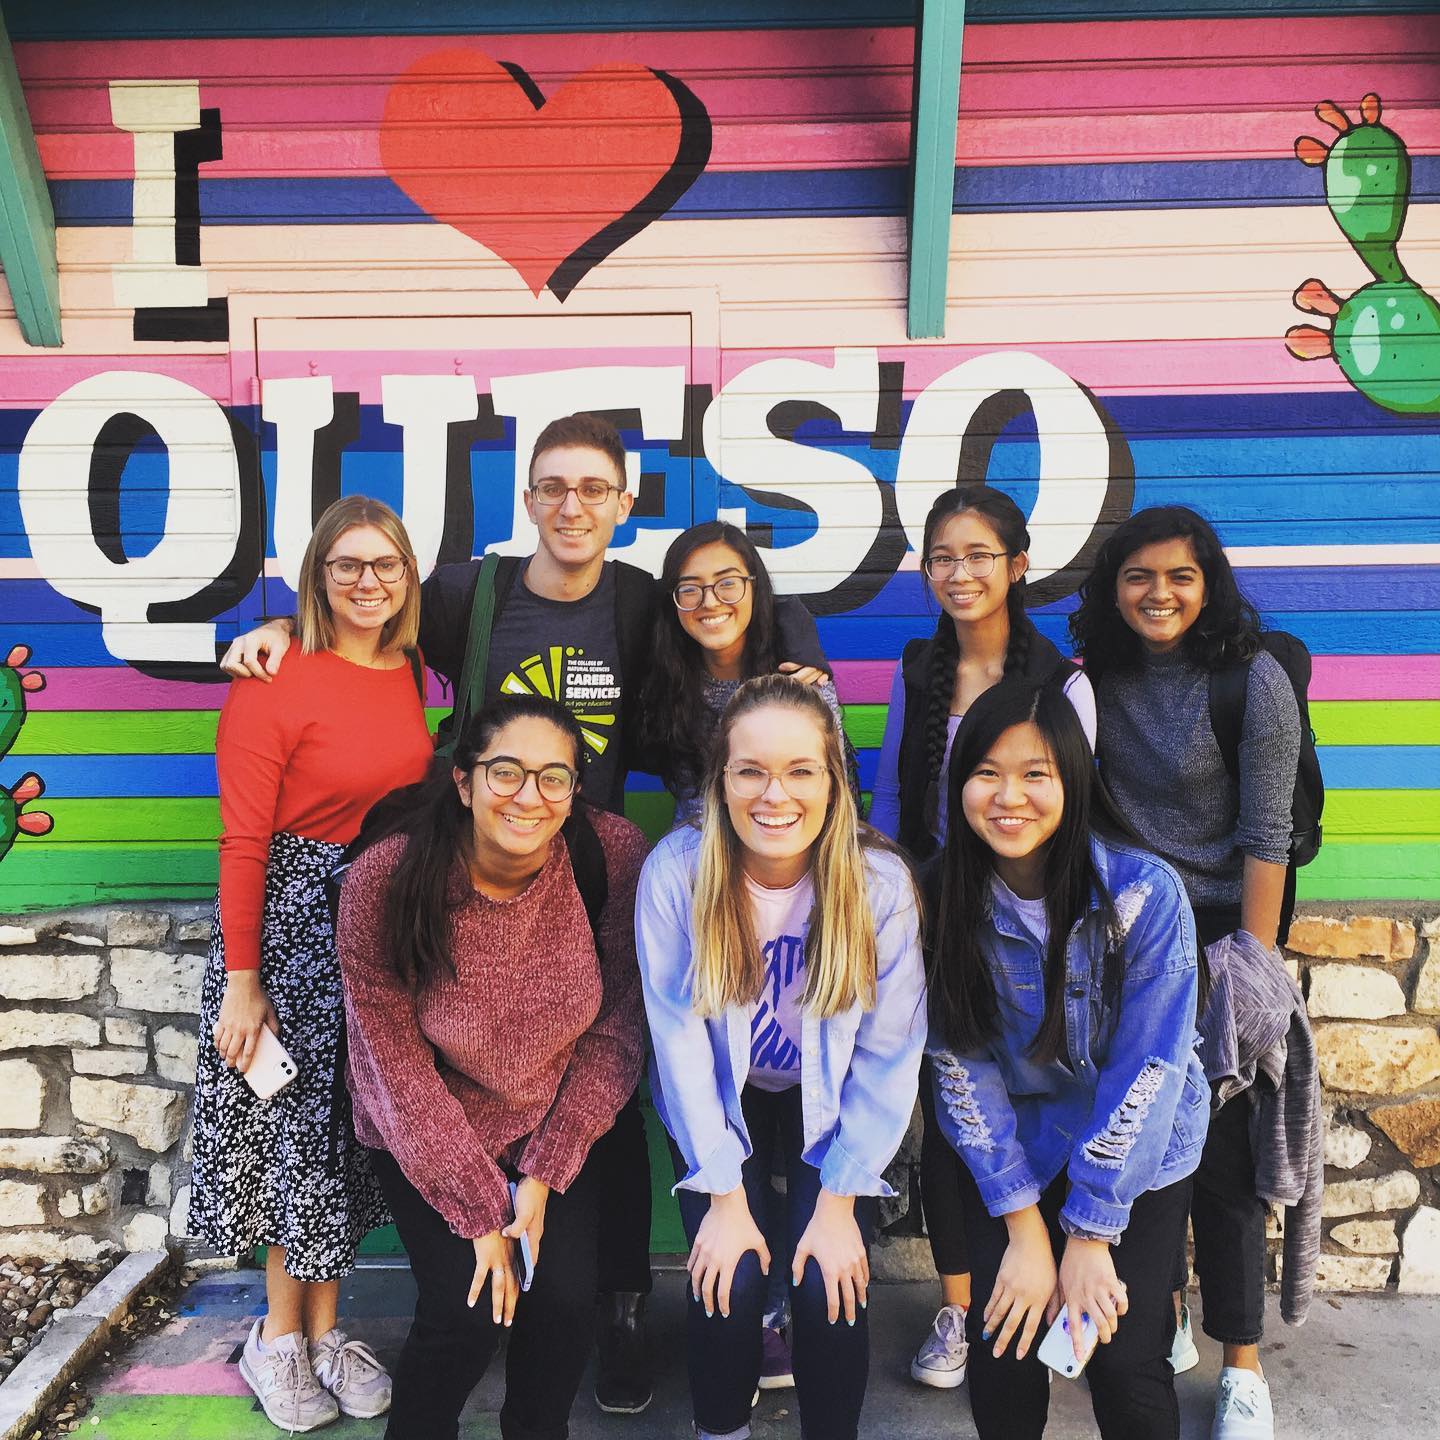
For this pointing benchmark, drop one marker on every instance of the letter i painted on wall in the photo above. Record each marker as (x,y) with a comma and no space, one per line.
(164,282)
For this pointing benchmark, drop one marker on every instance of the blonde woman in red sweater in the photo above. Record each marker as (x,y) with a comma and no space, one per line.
(494,1035)
(299,763)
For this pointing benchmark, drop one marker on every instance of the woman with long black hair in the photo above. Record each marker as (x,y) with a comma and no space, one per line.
(495,1029)
(1063,985)
(974,558)
(1160,614)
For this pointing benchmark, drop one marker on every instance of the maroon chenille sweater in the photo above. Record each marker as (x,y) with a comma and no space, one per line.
(525,1056)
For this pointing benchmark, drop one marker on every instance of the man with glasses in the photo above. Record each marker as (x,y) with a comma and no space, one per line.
(574,626)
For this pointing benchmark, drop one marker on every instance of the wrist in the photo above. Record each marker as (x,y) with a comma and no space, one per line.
(731,1202)
(1086,1244)
(828,1203)
(1027,1226)
(243,980)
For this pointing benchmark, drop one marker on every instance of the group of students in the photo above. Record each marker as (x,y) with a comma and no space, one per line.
(469,1030)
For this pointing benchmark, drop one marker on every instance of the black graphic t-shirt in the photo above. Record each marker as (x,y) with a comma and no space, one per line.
(566,650)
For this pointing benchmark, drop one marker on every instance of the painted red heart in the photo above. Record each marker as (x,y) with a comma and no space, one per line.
(551,186)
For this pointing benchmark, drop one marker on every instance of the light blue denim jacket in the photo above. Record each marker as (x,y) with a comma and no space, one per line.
(1129,1113)
(859,1071)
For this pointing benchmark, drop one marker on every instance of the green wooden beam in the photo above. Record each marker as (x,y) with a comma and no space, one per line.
(939,33)
(27,219)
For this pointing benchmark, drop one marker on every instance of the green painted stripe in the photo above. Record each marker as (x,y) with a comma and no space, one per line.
(217,1417)
(192,732)
(1379,870)
(651,810)
(1393,814)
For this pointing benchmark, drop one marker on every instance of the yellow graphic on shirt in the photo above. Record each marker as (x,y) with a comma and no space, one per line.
(549,675)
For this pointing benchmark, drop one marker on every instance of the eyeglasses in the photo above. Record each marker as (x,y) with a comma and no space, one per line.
(591,492)
(346,570)
(728,591)
(799,782)
(506,776)
(977,564)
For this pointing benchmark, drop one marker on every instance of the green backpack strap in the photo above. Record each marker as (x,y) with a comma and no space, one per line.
(470,692)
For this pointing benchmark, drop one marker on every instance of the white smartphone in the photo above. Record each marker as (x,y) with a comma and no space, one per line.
(1058,1351)
(527,1260)
(271,1068)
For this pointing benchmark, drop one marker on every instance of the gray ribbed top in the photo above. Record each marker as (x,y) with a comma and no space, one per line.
(1164,768)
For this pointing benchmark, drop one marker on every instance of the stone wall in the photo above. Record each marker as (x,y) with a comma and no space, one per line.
(98,1012)
(97,1052)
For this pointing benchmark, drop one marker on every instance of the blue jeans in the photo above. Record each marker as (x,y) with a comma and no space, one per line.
(831,1362)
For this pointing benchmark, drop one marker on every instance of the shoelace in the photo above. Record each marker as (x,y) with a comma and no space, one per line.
(352,1355)
(1232,1399)
(292,1376)
(950,1330)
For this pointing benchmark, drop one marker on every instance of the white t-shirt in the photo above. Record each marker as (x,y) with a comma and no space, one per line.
(1030,914)
(780,918)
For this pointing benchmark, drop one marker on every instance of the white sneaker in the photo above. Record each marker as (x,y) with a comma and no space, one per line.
(284,1383)
(940,1360)
(351,1372)
(1183,1354)
(1242,1407)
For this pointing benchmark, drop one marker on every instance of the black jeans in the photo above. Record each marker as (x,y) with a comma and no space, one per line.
(449,1345)
(1132,1387)
(944,1178)
(831,1362)
(620,1160)
(1227,1217)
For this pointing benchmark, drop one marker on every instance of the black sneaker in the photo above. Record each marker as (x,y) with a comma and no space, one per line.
(622,1381)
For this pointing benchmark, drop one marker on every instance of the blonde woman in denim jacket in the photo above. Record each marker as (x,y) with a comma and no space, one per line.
(1063,994)
(780,956)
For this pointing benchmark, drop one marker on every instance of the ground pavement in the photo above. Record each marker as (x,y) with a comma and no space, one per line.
(1361,1367)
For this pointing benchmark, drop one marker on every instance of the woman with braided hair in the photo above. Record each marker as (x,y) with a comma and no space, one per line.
(974,558)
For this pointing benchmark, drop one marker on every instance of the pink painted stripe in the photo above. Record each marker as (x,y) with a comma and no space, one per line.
(360,370)
(860,682)
(1335,677)
(201,1377)
(28,382)
(1214,91)
(1135,367)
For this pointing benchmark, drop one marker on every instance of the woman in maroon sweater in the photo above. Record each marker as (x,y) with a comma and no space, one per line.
(491,1045)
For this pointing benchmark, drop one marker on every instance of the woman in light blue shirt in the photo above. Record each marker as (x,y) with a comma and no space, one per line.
(780,942)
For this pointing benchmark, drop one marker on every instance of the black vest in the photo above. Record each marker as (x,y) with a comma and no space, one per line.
(1042,662)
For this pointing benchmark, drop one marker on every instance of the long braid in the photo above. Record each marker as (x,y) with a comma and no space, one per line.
(939,690)
(1017,648)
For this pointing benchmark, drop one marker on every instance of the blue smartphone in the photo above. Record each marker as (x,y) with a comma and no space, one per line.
(527,1260)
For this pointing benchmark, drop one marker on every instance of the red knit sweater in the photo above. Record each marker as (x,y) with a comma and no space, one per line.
(309,753)
(525,1056)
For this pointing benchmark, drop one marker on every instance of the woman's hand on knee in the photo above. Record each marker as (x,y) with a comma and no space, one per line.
(1024,1285)
(530,1199)
(1090,1286)
(495,1260)
(725,1234)
(244,1011)
(833,1241)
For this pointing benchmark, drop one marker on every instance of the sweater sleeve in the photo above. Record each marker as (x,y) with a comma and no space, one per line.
(797,639)
(254,741)
(1269,753)
(885,795)
(604,1066)
(392,1070)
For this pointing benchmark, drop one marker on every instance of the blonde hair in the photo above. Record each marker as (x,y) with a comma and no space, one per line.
(315,623)
(840,960)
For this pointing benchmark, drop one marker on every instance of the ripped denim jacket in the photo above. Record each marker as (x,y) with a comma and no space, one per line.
(1126,1109)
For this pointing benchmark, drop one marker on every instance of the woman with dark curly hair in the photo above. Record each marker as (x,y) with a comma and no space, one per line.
(974,558)
(1158,615)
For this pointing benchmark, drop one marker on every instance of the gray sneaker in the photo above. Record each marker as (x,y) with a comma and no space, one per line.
(940,1361)
(351,1372)
(284,1383)
(1242,1407)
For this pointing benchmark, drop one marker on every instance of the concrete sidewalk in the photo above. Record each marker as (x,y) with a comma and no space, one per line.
(1361,1367)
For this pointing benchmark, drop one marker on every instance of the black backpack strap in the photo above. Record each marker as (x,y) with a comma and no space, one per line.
(1227,712)
(417,674)
(587,861)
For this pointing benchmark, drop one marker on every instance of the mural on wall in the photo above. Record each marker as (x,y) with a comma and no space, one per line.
(14,818)
(1114,292)
(1386,336)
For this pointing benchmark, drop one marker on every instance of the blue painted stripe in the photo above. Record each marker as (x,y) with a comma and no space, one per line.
(103,19)
(758,194)
(843,637)
(1346,767)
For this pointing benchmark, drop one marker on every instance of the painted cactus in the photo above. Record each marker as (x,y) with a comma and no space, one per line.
(1386,336)
(13,688)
